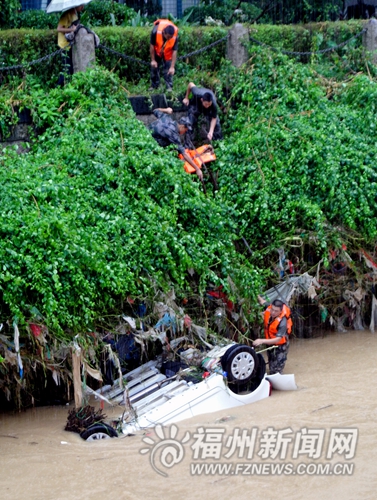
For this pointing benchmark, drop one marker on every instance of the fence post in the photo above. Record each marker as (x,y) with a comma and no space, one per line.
(370,39)
(76,370)
(236,51)
(83,54)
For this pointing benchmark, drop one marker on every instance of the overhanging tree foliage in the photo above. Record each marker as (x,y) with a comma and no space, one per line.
(96,213)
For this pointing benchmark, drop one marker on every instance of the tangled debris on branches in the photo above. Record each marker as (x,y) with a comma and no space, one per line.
(80,419)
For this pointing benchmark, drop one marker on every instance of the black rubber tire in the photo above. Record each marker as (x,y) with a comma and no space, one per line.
(241,363)
(224,359)
(98,431)
(261,371)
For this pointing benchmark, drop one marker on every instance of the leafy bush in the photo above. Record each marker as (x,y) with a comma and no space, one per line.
(97,211)
(224,11)
(146,7)
(97,13)
(21,46)
(24,46)
(287,12)
(36,19)
(106,13)
(8,12)
(302,155)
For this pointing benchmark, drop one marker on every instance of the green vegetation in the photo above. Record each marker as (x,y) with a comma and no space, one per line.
(22,46)
(8,12)
(299,155)
(96,215)
(97,13)
(95,211)
(25,45)
(267,11)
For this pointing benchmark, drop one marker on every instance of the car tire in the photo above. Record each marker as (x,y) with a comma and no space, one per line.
(261,371)
(240,362)
(98,431)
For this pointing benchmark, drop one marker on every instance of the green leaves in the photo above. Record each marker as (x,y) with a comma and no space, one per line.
(295,159)
(97,211)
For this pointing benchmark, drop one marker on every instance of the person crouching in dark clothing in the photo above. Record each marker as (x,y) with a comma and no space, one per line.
(167,131)
(203,103)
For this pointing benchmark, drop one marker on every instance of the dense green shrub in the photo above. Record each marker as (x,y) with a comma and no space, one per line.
(97,13)
(150,8)
(223,11)
(8,12)
(306,37)
(36,19)
(298,157)
(106,13)
(267,12)
(96,211)
(21,46)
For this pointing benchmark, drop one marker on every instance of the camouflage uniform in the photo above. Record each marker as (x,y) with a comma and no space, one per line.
(277,358)
(165,131)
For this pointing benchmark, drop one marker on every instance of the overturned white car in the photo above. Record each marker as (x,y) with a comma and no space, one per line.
(228,376)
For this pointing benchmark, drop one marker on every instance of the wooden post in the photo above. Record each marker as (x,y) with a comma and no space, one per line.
(76,364)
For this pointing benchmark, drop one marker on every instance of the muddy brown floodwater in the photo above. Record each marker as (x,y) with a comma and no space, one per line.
(337,378)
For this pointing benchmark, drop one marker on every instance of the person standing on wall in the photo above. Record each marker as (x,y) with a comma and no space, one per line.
(68,23)
(277,328)
(163,50)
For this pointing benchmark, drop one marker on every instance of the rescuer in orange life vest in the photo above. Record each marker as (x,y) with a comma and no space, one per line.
(277,327)
(163,50)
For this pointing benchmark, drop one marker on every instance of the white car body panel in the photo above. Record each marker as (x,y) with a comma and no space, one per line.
(156,399)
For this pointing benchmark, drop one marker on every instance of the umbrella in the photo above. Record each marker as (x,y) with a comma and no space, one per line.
(63,5)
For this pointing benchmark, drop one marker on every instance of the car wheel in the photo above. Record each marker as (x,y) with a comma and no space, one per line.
(98,431)
(261,372)
(241,363)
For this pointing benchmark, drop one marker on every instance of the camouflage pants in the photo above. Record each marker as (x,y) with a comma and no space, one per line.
(277,358)
(200,125)
(155,74)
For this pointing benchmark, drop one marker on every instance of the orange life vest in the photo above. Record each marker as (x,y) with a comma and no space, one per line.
(271,328)
(205,153)
(164,48)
